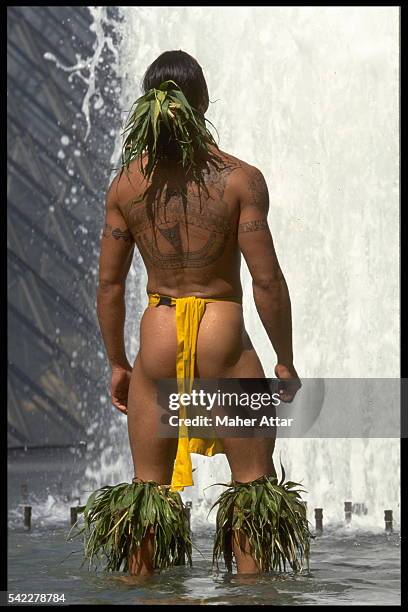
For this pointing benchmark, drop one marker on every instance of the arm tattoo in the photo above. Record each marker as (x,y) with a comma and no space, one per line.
(252,226)
(116,233)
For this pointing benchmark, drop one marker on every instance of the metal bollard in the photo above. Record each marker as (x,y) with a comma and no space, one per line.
(319,519)
(348,505)
(388,520)
(27,517)
(189,505)
(74,515)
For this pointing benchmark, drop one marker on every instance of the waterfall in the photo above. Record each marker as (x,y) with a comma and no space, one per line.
(309,96)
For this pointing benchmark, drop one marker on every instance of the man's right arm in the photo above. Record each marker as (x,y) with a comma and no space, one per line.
(270,290)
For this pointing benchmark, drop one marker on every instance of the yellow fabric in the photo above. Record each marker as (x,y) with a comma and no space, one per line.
(189,312)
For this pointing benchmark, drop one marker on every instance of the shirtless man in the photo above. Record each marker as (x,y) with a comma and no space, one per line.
(193,248)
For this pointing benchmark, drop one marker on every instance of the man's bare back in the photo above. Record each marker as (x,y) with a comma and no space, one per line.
(186,233)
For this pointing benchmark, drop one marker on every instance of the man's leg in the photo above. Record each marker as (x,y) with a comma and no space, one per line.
(224,350)
(153,457)
(249,458)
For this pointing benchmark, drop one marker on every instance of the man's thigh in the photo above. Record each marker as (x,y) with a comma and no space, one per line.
(153,456)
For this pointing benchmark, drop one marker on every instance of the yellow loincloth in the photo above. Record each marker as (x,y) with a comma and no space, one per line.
(189,312)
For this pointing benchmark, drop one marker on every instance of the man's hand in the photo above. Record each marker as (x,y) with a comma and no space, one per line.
(289,382)
(120,387)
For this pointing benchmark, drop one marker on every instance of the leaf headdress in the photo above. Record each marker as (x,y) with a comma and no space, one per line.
(163,119)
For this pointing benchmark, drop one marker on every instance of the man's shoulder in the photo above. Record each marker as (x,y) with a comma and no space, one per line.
(241,171)
(125,179)
(234,161)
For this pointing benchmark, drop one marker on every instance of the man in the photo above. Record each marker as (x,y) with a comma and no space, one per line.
(190,225)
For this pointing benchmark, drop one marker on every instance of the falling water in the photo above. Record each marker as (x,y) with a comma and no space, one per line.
(308,95)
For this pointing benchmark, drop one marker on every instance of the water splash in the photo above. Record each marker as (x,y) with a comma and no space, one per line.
(85,68)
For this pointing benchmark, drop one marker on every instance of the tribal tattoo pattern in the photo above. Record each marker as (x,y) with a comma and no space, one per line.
(197,258)
(117,233)
(185,227)
(253,226)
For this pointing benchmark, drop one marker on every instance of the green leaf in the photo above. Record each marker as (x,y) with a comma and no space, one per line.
(143,128)
(118,518)
(273,519)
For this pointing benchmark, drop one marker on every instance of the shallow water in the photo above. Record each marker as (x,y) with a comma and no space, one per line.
(349,563)
(347,568)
